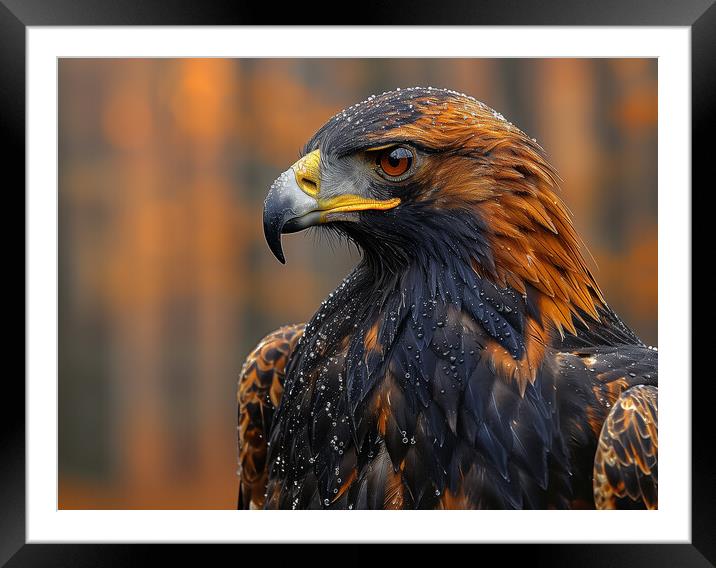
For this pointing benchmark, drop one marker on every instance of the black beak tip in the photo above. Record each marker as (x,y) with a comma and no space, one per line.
(287,209)
(272,233)
(277,250)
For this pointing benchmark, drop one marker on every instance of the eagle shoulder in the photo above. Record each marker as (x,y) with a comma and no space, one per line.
(626,461)
(608,408)
(259,392)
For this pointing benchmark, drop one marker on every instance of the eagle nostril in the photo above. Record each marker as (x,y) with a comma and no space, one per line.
(308,185)
(307,172)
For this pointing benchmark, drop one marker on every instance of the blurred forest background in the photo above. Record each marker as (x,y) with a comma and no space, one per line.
(166,283)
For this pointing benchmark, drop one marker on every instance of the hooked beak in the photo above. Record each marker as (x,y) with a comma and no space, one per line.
(290,207)
(294,203)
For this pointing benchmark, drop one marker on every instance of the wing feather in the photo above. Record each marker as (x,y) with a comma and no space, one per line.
(259,393)
(626,464)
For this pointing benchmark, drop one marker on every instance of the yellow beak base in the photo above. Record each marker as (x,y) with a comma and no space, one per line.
(307,171)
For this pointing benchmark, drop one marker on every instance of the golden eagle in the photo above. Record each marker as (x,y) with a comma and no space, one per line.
(470,360)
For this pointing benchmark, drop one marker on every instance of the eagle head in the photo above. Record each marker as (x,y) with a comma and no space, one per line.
(425,173)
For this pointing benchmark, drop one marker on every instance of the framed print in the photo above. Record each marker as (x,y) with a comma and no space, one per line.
(498,212)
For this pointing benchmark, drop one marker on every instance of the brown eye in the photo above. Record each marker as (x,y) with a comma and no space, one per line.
(394,162)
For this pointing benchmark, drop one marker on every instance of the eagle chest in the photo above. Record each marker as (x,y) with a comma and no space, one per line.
(411,381)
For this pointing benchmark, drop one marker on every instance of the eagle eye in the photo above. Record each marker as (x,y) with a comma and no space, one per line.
(394,163)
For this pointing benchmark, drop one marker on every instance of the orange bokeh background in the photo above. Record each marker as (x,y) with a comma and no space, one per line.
(165,282)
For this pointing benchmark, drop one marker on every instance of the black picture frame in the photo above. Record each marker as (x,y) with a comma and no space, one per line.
(699,15)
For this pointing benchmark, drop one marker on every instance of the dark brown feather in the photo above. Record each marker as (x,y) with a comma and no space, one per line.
(626,462)
(259,393)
